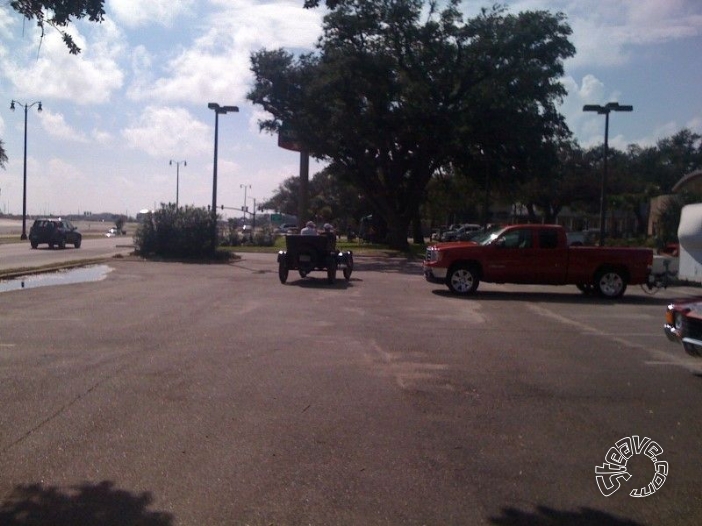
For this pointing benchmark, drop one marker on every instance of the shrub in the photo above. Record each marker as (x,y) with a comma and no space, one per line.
(177,232)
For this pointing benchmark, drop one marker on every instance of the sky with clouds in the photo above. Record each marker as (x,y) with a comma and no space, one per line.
(136,97)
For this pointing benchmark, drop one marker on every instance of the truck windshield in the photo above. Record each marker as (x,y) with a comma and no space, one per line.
(487,237)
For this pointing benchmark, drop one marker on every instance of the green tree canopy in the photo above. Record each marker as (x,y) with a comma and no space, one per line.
(58,14)
(398,89)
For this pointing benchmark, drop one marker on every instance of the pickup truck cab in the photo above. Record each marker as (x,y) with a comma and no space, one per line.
(535,255)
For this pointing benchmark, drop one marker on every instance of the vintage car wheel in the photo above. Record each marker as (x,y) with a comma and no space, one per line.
(610,283)
(331,271)
(283,272)
(463,279)
(348,268)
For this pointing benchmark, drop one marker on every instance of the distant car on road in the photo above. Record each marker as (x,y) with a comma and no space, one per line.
(54,232)
(112,232)
(287,228)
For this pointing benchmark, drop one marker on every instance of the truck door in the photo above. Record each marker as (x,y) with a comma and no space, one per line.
(513,258)
(553,257)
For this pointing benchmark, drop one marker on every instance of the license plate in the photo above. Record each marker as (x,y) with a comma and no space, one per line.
(305,258)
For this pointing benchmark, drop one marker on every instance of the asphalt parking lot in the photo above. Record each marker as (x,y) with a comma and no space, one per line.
(174,394)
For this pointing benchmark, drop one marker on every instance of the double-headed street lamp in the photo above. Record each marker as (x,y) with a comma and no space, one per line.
(177,163)
(604,110)
(24,191)
(244,208)
(218,110)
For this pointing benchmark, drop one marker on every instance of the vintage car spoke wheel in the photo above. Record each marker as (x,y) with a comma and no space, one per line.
(348,268)
(462,280)
(282,272)
(331,271)
(610,284)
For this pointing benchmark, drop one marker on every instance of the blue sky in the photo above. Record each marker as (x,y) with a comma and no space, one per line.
(136,97)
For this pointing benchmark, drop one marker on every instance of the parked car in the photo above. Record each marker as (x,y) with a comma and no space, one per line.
(683,325)
(54,232)
(462,233)
(287,228)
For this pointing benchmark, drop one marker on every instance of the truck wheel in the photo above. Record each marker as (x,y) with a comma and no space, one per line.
(462,279)
(62,243)
(610,283)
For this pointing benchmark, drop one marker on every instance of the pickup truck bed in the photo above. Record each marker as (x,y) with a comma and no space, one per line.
(539,255)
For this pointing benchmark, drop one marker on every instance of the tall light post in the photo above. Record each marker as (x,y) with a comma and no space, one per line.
(243,208)
(218,110)
(605,110)
(24,190)
(177,163)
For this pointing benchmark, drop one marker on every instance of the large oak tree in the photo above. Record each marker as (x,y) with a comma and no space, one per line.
(399,88)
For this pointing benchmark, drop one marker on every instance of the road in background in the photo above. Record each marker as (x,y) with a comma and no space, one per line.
(178,394)
(22,256)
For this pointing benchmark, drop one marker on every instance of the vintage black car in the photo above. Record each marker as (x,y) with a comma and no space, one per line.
(54,232)
(307,253)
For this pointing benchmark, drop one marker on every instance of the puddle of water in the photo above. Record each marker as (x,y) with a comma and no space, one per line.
(61,277)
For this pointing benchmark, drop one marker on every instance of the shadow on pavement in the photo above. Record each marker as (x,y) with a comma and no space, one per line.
(98,504)
(554,297)
(397,265)
(545,516)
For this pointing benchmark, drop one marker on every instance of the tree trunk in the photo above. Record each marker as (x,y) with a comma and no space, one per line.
(417,234)
(397,234)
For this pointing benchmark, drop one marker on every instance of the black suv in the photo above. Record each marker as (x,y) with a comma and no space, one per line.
(55,232)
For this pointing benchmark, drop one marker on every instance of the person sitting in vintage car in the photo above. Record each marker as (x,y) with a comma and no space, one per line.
(310,229)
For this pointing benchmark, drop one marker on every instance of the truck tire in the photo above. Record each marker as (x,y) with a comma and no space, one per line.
(462,279)
(610,283)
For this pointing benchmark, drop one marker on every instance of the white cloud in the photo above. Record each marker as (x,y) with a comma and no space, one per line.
(44,68)
(217,65)
(135,13)
(164,132)
(56,126)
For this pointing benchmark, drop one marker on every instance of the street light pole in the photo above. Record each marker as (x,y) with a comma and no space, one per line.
(218,110)
(244,208)
(24,187)
(177,163)
(605,110)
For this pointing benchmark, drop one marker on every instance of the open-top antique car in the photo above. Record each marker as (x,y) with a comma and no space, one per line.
(307,253)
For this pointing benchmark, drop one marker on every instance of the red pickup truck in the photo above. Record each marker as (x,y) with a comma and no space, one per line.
(537,255)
